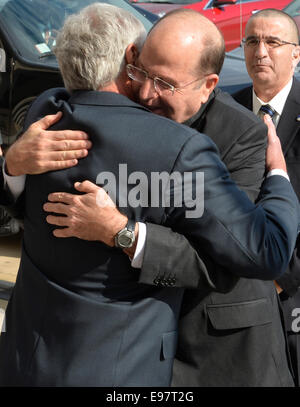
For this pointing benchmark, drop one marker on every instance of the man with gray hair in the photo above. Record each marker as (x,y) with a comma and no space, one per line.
(78,316)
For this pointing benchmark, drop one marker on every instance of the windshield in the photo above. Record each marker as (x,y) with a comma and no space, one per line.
(168,1)
(30,26)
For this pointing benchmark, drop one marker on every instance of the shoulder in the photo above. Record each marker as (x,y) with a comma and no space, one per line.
(243,96)
(48,102)
(295,90)
(227,118)
(225,102)
(182,136)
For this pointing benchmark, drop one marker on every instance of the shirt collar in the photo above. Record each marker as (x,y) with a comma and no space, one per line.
(278,101)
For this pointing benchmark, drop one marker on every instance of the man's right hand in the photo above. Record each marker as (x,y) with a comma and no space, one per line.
(40,150)
(274,155)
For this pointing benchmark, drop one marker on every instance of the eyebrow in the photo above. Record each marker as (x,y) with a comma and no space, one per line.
(164,78)
(269,37)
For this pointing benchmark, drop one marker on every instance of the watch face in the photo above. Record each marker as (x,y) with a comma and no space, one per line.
(125,240)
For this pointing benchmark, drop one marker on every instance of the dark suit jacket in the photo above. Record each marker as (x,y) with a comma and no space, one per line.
(77,315)
(288,130)
(239,329)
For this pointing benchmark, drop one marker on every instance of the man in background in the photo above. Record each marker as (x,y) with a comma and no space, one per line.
(272,52)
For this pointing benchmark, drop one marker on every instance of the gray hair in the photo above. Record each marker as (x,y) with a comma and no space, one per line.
(90,48)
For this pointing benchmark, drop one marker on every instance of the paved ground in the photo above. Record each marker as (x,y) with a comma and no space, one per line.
(10,249)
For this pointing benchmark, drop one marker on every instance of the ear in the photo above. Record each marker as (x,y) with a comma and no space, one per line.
(131,54)
(209,84)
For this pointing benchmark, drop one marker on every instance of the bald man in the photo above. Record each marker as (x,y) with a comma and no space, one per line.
(272,52)
(230,338)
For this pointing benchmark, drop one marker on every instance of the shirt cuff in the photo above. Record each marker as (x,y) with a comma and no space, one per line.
(278,172)
(138,257)
(15,184)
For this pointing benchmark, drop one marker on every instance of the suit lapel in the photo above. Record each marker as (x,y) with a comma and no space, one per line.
(288,126)
(244,97)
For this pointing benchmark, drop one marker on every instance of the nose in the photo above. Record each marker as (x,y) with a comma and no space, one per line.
(261,50)
(147,90)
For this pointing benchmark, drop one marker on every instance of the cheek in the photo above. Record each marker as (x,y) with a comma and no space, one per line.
(183,108)
(249,59)
(282,68)
(135,87)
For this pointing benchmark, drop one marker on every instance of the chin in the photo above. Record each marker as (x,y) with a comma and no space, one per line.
(158,111)
(261,76)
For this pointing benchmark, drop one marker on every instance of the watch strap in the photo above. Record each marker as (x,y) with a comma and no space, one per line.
(130,225)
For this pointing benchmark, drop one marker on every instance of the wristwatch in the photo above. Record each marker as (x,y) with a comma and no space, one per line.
(126,237)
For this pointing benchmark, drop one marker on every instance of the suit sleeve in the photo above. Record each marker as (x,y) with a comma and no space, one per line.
(171,259)
(6,198)
(167,251)
(290,280)
(250,241)
(246,159)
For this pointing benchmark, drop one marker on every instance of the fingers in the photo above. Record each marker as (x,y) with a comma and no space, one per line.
(271,128)
(48,121)
(66,155)
(67,144)
(62,233)
(86,186)
(78,139)
(59,221)
(61,200)
(274,155)
(68,135)
(57,207)
(59,160)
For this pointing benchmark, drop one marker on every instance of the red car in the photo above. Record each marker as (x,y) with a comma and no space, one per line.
(230,16)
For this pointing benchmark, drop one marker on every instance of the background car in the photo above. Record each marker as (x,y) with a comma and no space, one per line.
(161,7)
(230,16)
(27,63)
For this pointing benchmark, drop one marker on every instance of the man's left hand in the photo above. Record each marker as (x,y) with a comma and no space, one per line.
(91,216)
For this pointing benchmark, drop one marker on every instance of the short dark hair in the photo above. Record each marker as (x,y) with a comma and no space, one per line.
(273,12)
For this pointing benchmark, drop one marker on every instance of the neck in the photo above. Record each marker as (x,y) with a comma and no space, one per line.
(111,87)
(266,93)
(121,85)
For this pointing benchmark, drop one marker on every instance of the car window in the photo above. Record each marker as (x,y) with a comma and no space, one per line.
(31,26)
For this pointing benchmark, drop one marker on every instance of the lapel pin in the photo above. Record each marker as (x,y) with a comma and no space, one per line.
(298,118)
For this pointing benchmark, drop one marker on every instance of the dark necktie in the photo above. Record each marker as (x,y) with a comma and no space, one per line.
(267,109)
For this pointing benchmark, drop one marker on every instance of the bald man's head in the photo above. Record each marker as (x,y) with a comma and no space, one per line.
(271,51)
(189,31)
(292,31)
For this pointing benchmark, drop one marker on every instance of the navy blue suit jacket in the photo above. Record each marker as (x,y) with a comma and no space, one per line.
(78,316)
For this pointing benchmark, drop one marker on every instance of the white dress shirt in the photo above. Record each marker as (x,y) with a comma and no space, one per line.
(277,103)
